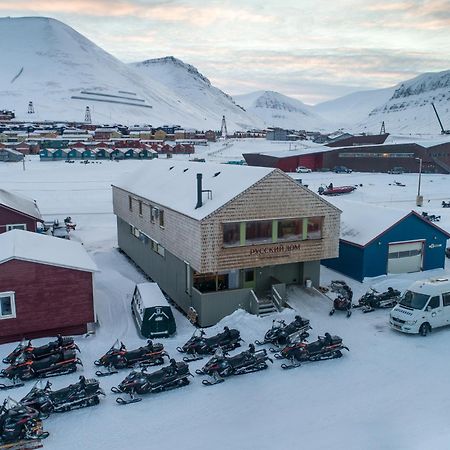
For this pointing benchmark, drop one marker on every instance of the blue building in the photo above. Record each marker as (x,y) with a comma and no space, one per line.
(375,243)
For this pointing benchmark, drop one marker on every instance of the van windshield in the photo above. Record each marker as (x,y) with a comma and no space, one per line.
(414,300)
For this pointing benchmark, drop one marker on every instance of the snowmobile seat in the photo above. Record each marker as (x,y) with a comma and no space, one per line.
(136,354)
(336,340)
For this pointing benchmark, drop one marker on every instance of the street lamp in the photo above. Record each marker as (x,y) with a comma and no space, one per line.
(419,198)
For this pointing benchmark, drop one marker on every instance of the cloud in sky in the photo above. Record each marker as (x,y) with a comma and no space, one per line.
(304,48)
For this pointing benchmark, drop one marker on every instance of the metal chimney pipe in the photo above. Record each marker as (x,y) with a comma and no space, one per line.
(199,191)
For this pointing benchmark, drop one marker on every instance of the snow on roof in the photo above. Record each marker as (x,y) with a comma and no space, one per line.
(360,225)
(151,295)
(44,249)
(174,184)
(19,203)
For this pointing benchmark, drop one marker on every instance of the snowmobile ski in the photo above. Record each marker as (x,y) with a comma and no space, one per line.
(293,365)
(22,445)
(122,401)
(4,387)
(192,358)
(213,382)
(99,373)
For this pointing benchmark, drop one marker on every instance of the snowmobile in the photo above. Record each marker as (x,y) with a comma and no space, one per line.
(120,358)
(20,427)
(341,303)
(221,365)
(65,343)
(372,299)
(79,395)
(342,289)
(198,346)
(26,369)
(280,333)
(326,347)
(170,377)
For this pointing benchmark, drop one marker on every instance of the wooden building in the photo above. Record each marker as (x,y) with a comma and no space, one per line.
(220,237)
(46,286)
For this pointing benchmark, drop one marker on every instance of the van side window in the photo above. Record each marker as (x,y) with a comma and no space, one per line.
(446,298)
(434,302)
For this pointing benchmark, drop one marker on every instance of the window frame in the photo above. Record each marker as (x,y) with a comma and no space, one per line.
(445,298)
(16,226)
(12,299)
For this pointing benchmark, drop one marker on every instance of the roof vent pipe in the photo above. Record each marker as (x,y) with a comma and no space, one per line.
(199,191)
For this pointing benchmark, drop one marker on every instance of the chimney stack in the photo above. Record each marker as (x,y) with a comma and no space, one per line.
(199,191)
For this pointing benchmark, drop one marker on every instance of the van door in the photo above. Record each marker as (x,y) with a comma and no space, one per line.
(437,315)
(446,303)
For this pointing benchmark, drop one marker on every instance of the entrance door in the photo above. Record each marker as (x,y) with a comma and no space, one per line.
(405,257)
(249,278)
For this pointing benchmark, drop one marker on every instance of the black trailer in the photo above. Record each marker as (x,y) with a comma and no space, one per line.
(151,312)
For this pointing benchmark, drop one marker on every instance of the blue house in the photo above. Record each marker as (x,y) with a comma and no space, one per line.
(379,241)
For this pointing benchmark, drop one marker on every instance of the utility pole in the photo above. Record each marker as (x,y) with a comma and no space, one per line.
(419,199)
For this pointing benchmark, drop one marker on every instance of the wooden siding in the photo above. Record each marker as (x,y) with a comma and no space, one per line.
(275,196)
(201,243)
(10,217)
(180,235)
(48,300)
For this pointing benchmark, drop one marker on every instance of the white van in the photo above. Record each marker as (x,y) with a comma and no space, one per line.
(424,305)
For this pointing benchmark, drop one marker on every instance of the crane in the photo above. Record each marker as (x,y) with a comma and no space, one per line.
(440,123)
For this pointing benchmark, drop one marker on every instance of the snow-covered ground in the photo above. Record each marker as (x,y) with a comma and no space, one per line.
(388,392)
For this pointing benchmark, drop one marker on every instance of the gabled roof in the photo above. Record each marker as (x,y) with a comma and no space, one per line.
(361,226)
(44,249)
(19,203)
(174,184)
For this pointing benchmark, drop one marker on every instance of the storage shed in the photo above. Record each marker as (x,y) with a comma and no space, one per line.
(379,241)
(46,286)
(151,312)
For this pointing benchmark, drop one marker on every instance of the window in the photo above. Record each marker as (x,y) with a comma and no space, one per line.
(154,212)
(135,232)
(446,298)
(290,229)
(434,302)
(231,234)
(140,207)
(130,203)
(258,232)
(161,250)
(7,305)
(161,218)
(314,230)
(16,226)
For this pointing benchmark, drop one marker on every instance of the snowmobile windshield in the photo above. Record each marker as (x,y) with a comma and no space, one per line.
(414,300)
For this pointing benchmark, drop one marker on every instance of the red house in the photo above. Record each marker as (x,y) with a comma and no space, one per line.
(17,212)
(46,286)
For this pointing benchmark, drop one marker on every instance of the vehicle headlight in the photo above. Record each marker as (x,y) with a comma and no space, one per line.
(411,322)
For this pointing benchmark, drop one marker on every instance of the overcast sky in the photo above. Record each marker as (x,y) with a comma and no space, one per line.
(313,50)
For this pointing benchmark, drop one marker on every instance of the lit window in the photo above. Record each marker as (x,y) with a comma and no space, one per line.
(7,305)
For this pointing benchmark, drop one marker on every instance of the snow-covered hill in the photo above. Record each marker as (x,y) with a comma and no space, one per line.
(353,108)
(62,72)
(278,110)
(187,83)
(409,109)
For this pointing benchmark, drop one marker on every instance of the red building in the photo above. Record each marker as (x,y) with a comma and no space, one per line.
(46,286)
(17,212)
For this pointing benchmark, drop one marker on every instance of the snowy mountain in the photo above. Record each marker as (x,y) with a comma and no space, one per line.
(278,110)
(187,83)
(62,72)
(409,109)
(353,108)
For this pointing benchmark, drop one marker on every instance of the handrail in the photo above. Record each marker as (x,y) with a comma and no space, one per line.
(254,303)
(277,299)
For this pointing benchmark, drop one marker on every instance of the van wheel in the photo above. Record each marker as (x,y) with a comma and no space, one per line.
(424,329)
